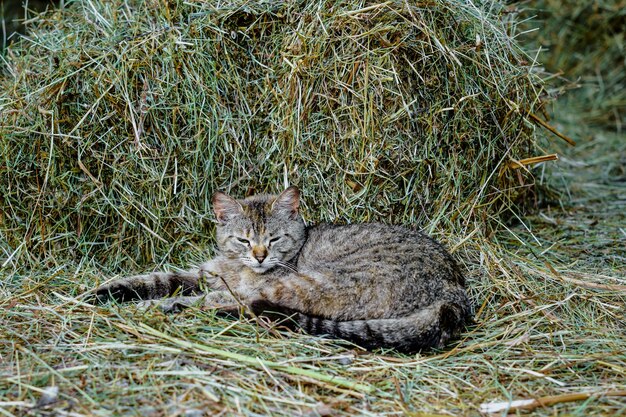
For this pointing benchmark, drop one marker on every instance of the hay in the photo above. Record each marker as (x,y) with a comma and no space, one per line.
(14,17)
(120,119)
(584,42)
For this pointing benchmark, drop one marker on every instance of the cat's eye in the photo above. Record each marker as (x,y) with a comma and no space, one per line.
(244,241)
(275,239)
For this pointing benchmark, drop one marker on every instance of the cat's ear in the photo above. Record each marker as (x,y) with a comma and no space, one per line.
(287,202)
(225,207)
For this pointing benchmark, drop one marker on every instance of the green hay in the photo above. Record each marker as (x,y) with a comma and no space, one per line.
(584,41)
(15,16)
(120,119)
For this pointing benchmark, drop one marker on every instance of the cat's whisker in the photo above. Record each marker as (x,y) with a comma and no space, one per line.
(287,265)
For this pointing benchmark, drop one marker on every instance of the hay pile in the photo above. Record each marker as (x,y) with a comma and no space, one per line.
(119,119)
(584,41)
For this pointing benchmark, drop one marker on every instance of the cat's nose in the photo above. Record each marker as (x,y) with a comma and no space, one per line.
(259,253)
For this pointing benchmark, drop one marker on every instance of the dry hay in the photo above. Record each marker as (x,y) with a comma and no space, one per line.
(120,119)
(584,42)
(15,16)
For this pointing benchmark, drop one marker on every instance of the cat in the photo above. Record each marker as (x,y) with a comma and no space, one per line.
(376,285)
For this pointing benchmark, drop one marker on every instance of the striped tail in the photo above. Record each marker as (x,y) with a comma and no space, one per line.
(149,287)
(430,327)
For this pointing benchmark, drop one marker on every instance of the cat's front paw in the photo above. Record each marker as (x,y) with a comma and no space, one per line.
(211,268)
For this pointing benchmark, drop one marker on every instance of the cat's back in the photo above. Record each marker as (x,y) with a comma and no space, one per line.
(377,249)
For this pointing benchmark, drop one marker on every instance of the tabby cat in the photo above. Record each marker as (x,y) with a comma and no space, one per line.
(373,284)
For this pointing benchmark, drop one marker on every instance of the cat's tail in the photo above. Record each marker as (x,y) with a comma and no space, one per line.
(150,286)
(430,327)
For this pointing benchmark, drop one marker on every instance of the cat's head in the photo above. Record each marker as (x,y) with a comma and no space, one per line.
(261,231)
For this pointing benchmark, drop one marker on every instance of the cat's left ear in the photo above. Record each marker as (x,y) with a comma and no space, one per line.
(225,207)
(288,201)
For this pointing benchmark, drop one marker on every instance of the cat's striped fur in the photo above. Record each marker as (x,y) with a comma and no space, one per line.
(374,284)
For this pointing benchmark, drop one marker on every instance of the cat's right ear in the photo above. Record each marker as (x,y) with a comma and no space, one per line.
(288,201)
(225,207)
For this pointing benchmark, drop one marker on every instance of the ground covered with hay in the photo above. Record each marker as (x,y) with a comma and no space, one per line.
(119,119)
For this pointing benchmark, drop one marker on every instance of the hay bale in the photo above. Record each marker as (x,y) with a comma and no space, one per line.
(120,119)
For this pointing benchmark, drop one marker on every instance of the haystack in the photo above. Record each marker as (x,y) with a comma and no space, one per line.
(119,119)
